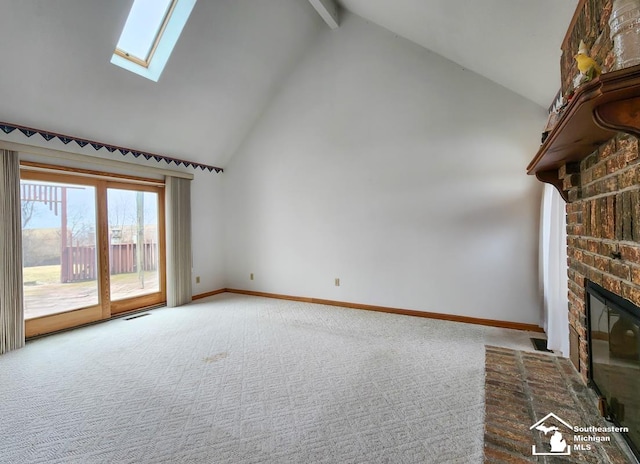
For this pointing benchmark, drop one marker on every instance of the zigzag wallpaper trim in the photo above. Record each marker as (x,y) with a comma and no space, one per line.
(8,128)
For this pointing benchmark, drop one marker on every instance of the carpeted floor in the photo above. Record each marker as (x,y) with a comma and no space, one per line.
(237,379)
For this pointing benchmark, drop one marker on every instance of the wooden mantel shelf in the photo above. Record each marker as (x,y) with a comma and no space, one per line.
(600,108)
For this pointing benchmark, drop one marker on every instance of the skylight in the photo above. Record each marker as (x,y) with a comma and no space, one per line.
(143,29)
(149,35)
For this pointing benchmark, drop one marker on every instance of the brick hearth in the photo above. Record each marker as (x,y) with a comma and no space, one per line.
(522,388)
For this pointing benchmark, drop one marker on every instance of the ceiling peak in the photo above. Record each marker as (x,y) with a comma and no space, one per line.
(328,10)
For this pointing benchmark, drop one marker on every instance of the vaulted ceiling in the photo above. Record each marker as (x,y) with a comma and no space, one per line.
(515,43)
(232,58)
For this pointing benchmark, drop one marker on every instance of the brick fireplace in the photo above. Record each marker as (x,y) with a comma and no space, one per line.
(591,157)
(603,231)
(597,170)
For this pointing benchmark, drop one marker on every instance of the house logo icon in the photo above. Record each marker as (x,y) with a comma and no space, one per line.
(552,427)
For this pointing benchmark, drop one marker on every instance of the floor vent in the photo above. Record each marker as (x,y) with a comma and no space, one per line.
(136,316)
(540,345)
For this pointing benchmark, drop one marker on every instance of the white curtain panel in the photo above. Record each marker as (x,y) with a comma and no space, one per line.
(178,218)
(553,259)
(11,309)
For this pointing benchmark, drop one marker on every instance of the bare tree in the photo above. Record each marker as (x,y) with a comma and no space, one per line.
(28,209)
(80,227)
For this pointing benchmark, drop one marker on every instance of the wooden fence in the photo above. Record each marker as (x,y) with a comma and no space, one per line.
(79,262)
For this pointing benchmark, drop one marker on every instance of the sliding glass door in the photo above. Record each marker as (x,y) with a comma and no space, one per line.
(58,247)
(134,247)
(92,248)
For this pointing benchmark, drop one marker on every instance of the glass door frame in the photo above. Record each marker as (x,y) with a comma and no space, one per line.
(105,308)
(149,299)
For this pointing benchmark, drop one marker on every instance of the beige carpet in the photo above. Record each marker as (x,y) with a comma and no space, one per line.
(236,379)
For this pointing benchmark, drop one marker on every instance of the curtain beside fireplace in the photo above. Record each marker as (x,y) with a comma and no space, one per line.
(11,309)
(553,265)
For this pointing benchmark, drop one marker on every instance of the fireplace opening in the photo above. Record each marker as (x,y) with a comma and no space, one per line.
(613,326)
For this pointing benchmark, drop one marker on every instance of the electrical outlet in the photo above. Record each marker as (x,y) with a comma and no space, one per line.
(337,282)
(197,279)
(251,276)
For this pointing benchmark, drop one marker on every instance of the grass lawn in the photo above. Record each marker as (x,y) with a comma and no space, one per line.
(44,294)
(51,275)
(42,274)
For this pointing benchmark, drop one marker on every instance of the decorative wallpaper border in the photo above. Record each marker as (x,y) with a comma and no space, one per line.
(8,128)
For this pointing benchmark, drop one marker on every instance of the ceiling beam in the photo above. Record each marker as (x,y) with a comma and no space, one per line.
(328,9)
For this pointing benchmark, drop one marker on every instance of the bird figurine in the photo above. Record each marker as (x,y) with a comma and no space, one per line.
(587,66)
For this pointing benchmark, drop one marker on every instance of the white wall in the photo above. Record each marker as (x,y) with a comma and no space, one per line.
(395,170)
(207,232)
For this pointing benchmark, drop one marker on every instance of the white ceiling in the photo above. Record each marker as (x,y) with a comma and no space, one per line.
(231,59)
(55,73)
(515,43)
